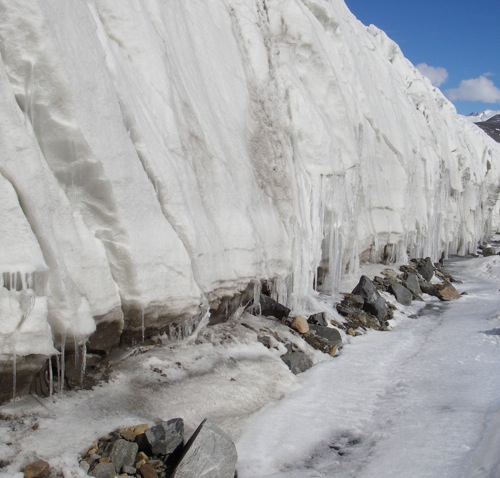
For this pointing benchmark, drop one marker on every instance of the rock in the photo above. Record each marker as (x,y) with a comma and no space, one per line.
(129,470)
(269,306)
(489,251)
(297,362)
(209,453)
(373,301)
(148,471)
(425,268)
(447,292)
(411,283)
(131,433)
(108,330)
(300,325)
(265,340)
(321,344)
(331,335)
(166,437)
(104,470)
(123,454)
(318,319)
(402,294)
(428,288)
(37,469)
(84,465)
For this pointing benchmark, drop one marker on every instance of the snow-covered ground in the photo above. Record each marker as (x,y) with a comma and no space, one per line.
(422,400)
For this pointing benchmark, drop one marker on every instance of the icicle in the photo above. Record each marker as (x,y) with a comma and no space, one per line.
(62,367)
(143,328)
(76,348)
(84,363)
(14,376)
(51,378)
(257,289)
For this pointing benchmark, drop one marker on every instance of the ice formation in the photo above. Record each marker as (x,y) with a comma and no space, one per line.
(159,156)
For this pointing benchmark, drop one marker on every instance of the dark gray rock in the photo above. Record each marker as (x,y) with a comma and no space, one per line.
(318,319)
(373,302)
(331,335)
(123,454)
(402,294)
(269,306)
(411,283)
(428,288)
(489,251)
(165,437)
(297,362)
(426,268)
(104,470)
(209,453)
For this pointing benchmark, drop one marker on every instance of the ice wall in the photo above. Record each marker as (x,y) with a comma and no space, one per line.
(158,156)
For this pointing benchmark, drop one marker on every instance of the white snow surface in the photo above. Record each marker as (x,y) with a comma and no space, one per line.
(483,116)
(421,400)
(157,156)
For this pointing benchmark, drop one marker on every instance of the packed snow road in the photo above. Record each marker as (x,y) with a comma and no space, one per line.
(420,401)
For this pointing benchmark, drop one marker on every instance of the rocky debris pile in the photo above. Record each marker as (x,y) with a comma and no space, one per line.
(365,307)
(314,330)
(158,451)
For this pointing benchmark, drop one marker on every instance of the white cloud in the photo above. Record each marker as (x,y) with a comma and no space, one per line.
(476,89)
(437,74)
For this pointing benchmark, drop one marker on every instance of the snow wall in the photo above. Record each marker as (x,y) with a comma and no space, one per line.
(157,157)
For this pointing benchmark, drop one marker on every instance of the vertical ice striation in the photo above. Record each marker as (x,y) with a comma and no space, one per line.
(160,156)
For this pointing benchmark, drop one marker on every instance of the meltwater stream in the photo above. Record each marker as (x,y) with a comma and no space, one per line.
(420,401)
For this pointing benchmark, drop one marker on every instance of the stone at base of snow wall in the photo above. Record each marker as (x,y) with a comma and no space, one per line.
(22,371)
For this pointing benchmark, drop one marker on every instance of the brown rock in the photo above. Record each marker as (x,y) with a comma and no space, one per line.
(300,324)
(141,459)
(351,332)
(130,433)
(447,292)
(147,471)
(37,469)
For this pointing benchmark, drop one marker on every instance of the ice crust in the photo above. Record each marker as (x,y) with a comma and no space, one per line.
(161,155)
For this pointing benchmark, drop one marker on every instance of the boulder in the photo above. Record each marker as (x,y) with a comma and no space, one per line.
(123,454)
(331,335)
(411,283)
(318,319)
(489,251)
(270,307)
(373,301)
(425,268)
(37,469)
(209,453)
(300,325)
(165,437)
(297,362)
(428,288)
(402,294)
(447,292)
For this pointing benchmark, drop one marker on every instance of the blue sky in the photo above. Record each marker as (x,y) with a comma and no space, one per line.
(458,40)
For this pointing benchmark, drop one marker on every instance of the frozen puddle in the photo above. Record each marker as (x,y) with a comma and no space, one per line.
(420,401)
